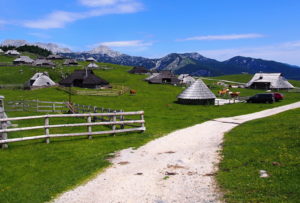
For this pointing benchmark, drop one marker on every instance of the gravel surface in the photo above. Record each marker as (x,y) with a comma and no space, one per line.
(179,167)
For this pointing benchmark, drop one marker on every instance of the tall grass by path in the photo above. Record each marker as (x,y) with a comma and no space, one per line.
(271,144)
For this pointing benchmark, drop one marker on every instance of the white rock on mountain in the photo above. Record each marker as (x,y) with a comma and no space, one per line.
(49,46)
(105,50)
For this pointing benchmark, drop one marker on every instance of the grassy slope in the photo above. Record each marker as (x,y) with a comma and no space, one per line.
(35,172)
(254,146)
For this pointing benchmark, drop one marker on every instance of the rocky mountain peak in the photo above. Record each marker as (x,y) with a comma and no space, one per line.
(105,51)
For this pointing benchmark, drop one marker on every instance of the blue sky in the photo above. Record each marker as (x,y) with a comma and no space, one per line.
(218,29)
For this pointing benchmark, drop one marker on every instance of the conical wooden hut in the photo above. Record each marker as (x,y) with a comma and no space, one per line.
(197,93)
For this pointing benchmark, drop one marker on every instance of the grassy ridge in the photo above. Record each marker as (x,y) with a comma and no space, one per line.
(35,172)
(271,144)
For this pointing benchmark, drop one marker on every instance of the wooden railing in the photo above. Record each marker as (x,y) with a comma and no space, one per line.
(54,107)
(116,118)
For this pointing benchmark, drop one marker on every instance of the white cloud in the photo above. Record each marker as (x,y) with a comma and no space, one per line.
(288,52)
(133,43)
(59,19)
(224,37)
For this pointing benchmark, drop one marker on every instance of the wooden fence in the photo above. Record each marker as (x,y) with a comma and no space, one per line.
(116,90)
(116,118)
(54,107)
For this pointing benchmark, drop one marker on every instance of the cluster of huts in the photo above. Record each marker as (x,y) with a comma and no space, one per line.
(196,92)
(163,77)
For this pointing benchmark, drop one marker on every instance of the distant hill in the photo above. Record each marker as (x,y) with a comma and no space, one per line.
(196,64)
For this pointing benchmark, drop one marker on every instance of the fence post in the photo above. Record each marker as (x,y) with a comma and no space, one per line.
(143,124)
(89,120)
(37,105)
(47,129)
(3,136)
(114,120)
(122,119)
(53,107)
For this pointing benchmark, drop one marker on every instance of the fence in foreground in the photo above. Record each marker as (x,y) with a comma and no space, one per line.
(115,119)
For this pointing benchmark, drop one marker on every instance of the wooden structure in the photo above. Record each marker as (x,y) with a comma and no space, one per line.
(12,53)
(54,57)
(39,80)
(43,63)
(84,79)
(116,119)
(267,81)
(70,62)
(139,70)
(164,77)
(197,93)
(23,60)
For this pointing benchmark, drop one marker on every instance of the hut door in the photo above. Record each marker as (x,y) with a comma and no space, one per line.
(77,83)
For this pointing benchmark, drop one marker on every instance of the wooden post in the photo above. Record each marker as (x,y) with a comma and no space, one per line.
(53,107)
(47,129)
(37,105)
(122,119)
(114,120)
(89,120)
(142,118)
(3,136)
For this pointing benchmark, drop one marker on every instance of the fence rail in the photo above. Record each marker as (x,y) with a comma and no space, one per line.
(116,118)
(54,107)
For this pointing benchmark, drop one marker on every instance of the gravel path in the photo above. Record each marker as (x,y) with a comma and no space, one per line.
(179,167)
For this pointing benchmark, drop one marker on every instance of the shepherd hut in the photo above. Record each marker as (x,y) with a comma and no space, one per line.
(269,81)
(197,93)
(43,62)
(54,57)
(70,62)
(92,65)
(91,59)
(164,77)
(39,80)
(23,60)
(139,70)
(85,79)
(12,53)
(186,79)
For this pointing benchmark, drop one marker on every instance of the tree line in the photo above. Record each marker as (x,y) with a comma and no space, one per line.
(28,48)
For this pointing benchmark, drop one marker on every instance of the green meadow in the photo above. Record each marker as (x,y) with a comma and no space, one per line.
(33,171)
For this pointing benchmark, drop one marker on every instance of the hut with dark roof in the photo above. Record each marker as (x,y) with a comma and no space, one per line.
(70,62)
(164,77)
(197,93)
(84,79)
(139,70)
(54,57)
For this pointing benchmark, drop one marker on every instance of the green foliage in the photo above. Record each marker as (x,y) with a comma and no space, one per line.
(28,48)
(271,144)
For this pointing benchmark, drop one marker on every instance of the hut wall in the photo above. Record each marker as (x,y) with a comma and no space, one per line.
(197,101)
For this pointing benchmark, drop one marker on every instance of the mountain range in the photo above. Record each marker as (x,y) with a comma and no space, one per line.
(190,63)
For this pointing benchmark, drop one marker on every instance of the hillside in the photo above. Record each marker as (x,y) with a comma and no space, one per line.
(47,170)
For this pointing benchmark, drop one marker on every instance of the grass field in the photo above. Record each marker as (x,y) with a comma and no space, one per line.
(36,172)
(271,144)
